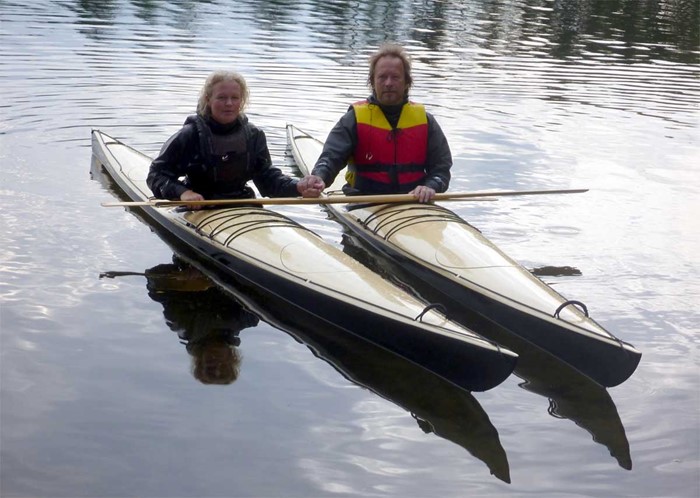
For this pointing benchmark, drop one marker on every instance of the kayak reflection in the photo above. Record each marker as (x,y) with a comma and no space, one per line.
(571,395)
(206,321)
(216,316)
(575,397)
(438,406)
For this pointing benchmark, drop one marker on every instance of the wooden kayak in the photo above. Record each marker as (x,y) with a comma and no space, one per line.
(461,269)
(267,251)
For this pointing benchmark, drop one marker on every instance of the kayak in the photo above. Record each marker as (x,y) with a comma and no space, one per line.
(268,252)
(449,261)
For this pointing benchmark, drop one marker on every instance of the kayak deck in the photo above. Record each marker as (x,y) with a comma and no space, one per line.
(275,240)
(408,227)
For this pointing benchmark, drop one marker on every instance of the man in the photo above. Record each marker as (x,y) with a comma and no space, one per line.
(390,144)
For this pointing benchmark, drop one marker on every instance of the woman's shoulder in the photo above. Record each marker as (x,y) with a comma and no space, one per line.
(247,123)
(252,130)
(182,138)
(191,123)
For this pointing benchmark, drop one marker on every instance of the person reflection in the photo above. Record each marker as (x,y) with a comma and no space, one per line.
(206,320)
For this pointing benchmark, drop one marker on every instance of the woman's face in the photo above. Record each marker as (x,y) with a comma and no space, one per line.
(225,101)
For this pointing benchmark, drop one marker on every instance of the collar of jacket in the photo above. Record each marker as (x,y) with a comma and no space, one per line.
(220,129)
(392,112)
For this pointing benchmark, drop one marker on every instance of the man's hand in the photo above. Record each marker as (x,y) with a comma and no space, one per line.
(310,186)
(423,193)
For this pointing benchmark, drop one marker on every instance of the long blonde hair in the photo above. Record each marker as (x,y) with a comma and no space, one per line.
(203,108)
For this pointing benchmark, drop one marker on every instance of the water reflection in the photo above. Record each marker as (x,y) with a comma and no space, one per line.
(209,321)
(530,92)
(438,406)
(574,397)
(575,56)
(564,29)
(206,321)
(180,14)
(571,395)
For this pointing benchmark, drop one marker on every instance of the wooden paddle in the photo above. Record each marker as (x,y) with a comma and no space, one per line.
(342,199)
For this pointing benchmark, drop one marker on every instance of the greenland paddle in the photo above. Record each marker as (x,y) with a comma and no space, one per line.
(341,199)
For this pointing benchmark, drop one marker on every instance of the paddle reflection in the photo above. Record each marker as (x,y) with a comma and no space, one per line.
(571,395)
(205,320)
(208,319)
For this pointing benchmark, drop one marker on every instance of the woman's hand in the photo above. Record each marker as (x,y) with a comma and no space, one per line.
(310,186)
(423,193)
(191,195)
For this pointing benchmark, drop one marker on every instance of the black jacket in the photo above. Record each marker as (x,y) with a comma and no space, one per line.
(342,140)
(181,154)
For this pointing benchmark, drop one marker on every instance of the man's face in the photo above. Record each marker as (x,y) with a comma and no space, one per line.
(389,81)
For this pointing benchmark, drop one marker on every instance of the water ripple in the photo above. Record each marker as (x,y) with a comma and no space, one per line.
(531,94)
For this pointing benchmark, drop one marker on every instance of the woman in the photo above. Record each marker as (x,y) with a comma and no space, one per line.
(217,151)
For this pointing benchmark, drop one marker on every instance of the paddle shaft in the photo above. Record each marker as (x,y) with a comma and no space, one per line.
(341,199)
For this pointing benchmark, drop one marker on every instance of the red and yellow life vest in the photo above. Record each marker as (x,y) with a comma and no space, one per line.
(389,160)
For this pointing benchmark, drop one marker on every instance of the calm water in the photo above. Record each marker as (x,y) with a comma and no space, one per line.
(98,397)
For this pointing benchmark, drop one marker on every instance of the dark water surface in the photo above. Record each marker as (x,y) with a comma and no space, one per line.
(98,396)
